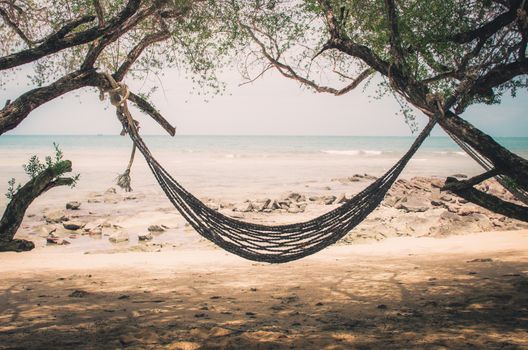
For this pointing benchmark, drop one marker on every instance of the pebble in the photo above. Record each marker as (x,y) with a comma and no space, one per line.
(156,228)
(118,237)
(147,237)
(74,205)
(73,225)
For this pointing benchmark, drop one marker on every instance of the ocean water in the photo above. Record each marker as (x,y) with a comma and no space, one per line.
(240,146)
(237,167)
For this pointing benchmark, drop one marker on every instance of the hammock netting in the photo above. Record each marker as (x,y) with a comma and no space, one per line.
(281,243)
(278,243)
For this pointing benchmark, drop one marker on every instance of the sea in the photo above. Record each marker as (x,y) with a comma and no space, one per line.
(232,166)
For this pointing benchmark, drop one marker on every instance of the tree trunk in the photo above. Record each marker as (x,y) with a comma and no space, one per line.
(487,201)
(504,161)
(16,208)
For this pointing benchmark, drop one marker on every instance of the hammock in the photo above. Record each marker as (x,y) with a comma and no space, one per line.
(279,243)
(505,181)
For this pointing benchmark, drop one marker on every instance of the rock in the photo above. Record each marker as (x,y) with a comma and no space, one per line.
(156,228)
(95,231)
(127,339)
(118,237)
(437,203)
(74,205)
(295,197)
(47,231)
(329,200)
(111,190)
(213,205)
(73,225)
(284,204)
(56,216)
(52,239)
(341,199)
(274,205)
(261,205)
(294,209)
(315,198)
(480,260)
(460,176)
(446,198)
(220,332)
(244,207)
(78,293)
(412,205)
(147,237)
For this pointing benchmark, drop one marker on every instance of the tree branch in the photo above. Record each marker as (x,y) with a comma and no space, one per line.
(99,11)
(147,108)
(395,40)
(60,41)
(488,201)
(290,73)
(134,54)
(15,27)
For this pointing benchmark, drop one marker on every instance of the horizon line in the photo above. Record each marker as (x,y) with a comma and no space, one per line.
(250,135)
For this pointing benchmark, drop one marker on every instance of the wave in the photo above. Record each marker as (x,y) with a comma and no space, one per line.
(353,152)
(449,153)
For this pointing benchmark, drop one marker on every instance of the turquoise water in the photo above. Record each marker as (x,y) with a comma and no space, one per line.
(240,145)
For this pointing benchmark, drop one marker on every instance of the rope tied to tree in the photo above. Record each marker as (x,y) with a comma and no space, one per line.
(119,94)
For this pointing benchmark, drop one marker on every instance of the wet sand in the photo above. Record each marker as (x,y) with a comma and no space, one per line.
(458,292)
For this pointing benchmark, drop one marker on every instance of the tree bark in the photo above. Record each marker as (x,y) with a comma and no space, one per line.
(16,208)
(504,161)
(488,201)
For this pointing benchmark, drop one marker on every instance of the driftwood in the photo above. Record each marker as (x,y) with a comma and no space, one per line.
(16,208)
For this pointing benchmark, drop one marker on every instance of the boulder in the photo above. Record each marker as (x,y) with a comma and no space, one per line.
(56,216)
(74,205)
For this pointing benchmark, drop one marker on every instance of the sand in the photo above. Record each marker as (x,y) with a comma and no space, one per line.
(457,292)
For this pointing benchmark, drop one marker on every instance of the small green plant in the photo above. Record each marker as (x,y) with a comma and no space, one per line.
(34,167)
(11,190)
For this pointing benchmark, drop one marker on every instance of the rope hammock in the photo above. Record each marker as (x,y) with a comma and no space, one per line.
(506,182)
(272,244)
(277,243)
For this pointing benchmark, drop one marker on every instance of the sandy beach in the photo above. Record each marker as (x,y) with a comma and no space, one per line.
(411,293)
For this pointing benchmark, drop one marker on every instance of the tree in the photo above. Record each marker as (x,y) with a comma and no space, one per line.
(438,56)
(72,43)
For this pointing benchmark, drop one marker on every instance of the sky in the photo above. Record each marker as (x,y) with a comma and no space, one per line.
(272,105)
